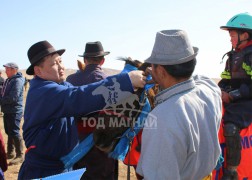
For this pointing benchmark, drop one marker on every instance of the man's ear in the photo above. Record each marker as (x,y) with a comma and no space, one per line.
(37,70)
(162,71)
(102,61)
(85,61)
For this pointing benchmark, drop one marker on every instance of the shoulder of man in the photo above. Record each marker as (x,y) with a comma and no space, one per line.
(204,80)
(72,77)
(66,83)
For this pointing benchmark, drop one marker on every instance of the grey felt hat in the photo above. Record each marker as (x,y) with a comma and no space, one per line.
(172,47)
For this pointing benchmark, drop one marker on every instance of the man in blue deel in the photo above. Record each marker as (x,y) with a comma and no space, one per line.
(49,129)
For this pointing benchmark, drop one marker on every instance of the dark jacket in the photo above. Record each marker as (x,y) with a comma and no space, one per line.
(12,97)
(92,73)
(1,83)
(237,80)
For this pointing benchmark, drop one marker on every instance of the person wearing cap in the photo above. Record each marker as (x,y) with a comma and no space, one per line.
(12,106)
(1,81)
(180,137)
(236,87)
(98,164)
(49,128)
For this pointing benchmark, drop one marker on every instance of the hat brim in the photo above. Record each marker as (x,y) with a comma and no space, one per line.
(10,66)
(227,28)
(30,69)
(95,55)
(167,61)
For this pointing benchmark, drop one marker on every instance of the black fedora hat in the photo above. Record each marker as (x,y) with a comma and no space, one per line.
(94,49)
(38,51)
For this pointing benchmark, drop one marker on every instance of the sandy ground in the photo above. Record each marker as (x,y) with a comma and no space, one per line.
(12,172)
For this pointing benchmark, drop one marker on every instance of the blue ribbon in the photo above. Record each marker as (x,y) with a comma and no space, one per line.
(122,147)
(219,163)
(127,68)
(78,152)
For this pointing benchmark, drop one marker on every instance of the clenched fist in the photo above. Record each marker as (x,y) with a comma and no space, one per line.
(138,79)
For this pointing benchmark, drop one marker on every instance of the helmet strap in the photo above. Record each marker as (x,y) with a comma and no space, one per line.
(239,40)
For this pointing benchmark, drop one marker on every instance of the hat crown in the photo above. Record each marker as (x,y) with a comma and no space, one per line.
(94,49)
(172,47)
(37,48)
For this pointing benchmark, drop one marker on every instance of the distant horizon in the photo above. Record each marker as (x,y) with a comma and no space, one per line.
(71,71)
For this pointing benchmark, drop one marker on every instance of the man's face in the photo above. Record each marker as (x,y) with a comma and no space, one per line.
(10,72)
(51,69)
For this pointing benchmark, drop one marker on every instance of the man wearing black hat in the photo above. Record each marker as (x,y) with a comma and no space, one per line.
(12,106)
(98,164)
(93,59)
(49,129)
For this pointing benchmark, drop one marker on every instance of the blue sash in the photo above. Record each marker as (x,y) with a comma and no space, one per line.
(122,147)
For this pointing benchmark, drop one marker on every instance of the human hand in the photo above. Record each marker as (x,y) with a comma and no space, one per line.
(138,79)
(226,98)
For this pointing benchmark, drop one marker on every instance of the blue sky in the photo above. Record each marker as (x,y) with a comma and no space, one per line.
(125,28)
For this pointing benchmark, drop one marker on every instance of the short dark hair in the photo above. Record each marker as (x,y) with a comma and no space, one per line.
(183,70)
(94,59)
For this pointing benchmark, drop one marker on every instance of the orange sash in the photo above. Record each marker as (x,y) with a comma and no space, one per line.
(135,151)
(245,167)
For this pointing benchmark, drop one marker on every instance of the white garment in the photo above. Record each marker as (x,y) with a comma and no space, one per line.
(184,145)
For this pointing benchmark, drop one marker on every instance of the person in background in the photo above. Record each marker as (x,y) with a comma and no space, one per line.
(12,106)
(3,158)
(1,81)
(182,142)
(26,83)
(1,87)
(49,128)
(98,164)
(236,87)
